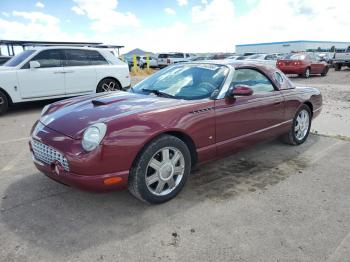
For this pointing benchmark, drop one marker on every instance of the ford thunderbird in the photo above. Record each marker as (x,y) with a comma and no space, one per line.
(149,137)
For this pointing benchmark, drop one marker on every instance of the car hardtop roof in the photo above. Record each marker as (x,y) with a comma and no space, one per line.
(39,48)
(235,63)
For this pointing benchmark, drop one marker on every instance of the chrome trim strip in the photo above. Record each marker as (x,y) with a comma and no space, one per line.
(318,109)
(226,85)
(253,133)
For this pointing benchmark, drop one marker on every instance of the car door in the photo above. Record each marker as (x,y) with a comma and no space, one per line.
(44,81)
(245,120)
(80,75)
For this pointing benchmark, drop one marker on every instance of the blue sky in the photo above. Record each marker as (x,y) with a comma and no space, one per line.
(175,25)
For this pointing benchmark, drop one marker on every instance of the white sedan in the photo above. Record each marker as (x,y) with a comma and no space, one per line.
(55,72)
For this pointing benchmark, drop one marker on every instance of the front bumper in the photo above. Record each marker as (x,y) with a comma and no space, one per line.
(62,159)
(95,183)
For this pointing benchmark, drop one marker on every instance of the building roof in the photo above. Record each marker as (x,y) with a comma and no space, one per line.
(294,42)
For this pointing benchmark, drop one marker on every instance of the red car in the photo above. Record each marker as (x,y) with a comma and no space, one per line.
(149,138)
(303,65)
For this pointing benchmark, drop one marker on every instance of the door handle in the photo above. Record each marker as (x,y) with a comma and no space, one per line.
(68,71)
(277,103)
(58,72)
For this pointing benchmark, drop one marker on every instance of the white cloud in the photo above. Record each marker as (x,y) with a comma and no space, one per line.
(182,2)
(104,16)
(39,4)
(5,14)
(36,26)
(169,11)
(78,10)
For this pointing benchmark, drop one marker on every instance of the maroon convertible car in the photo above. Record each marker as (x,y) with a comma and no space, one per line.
(148,138)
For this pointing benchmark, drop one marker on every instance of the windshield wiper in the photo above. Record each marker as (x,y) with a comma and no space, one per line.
(157,92)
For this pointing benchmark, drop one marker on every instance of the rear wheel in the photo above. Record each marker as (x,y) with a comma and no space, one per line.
(300,128)
(325,71)
(4,103)
(307,73)
(337,67)
(107,85)
(161,170)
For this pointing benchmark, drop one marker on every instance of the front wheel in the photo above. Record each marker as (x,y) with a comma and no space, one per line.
(300,128)
(161,170)
(107,85)
(4,103)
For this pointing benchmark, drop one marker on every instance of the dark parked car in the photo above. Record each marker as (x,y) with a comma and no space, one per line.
(303,65)
(4,59)
(149,138)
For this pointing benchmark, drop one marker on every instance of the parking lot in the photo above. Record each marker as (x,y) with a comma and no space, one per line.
(272,202)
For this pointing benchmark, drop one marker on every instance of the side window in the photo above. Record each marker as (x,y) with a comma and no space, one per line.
(96,58)
(279,78)
(48,58)
(254,79)
(187,55)
(76,57)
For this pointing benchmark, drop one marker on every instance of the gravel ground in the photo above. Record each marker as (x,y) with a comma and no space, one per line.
(272,202)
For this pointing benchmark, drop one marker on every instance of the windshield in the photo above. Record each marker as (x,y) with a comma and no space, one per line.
(187,82)
(16,60)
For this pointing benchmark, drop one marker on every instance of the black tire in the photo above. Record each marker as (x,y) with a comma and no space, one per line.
(307,72)
(107,85)
(137,177)
(290,138)
(4,103)
(337,67)
(325,71)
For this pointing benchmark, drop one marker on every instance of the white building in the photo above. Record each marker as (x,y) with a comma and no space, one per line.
(290,46)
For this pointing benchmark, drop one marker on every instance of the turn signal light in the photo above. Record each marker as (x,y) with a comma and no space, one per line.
(112,180)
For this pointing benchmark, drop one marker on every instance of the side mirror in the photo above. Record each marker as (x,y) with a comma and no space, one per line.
(34,64)
(241,90)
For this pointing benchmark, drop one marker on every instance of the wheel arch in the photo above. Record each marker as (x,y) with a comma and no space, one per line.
(178,134)
(309,104)
(9,99)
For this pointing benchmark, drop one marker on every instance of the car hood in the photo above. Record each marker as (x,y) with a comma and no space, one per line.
(72,116)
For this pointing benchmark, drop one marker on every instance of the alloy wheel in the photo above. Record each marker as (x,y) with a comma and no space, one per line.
(165,171)
(108,86)
(301,126)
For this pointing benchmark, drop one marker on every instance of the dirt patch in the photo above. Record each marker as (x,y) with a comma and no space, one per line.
(230,177)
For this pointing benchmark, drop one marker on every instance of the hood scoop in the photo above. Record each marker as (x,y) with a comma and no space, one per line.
(103,101)
(98,103)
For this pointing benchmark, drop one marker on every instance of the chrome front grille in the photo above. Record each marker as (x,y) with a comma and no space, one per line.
(48,155)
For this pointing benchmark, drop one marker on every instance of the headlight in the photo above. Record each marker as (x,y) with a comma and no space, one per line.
(45,109)
(93,136)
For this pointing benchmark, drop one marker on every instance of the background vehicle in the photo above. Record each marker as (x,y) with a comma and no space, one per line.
(54,72)
(152,62)
(165,59)
(183,115)
(264,58)
(4,59)
(302,64)
(341,59)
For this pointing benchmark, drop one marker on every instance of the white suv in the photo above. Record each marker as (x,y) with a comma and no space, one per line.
(166,59)
(54,72)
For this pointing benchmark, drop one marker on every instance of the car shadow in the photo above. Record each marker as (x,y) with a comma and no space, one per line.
(28,107)
(63,220)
